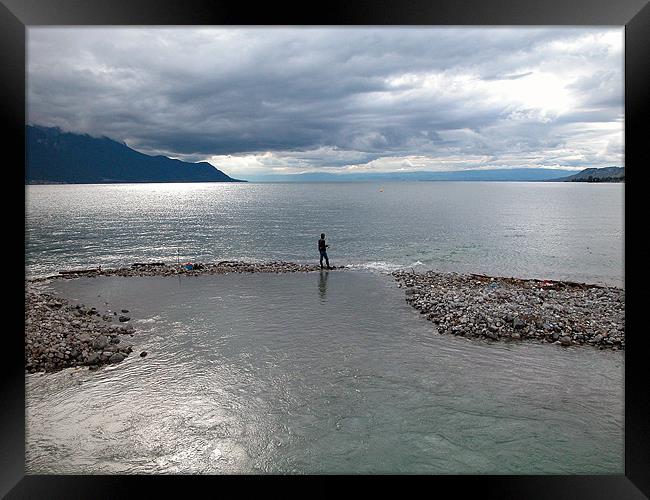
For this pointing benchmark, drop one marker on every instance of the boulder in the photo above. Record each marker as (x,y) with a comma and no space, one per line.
(116,358)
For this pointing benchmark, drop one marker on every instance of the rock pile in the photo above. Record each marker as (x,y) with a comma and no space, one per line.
(59,335)
(477,306)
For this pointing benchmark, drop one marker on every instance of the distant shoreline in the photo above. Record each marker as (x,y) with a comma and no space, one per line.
(329,181)
(599,181)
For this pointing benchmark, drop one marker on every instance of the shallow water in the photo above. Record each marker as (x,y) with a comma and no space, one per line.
(566,231)
(317,373)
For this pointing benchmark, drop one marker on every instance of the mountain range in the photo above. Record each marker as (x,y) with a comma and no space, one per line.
(504,174)
(57,157)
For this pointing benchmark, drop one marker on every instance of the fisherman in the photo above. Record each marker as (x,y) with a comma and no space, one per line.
(323,252)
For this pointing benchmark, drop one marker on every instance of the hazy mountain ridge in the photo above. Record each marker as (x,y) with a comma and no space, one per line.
(513,174)
(57,157)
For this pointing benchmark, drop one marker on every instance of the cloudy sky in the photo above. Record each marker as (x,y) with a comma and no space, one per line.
(277,100)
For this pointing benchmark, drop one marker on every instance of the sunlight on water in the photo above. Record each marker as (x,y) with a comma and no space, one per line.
(568,231)
(317,373)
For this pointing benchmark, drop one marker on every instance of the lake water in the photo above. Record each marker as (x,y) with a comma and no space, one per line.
(323,373)
(316,373)
(568,231)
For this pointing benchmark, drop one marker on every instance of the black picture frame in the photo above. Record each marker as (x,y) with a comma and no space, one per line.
(17,15)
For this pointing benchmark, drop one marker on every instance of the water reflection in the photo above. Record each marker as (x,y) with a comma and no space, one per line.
(506,229)
(256,374)
(322,284)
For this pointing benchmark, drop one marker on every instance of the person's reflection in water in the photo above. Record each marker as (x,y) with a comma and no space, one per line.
(322,284)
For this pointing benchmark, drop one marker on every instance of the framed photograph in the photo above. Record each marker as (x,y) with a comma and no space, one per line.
(369,241)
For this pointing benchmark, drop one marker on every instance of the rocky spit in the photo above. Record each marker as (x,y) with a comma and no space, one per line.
(166,269)
(511,309)
(61,335)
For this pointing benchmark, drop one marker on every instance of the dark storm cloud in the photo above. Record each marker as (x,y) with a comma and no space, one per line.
(307,98)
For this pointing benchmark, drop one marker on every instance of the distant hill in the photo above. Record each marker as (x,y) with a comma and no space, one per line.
(605,174)
(57,157)
(504,174)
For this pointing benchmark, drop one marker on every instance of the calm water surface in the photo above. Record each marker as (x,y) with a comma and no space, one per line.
(543,230)
(331,373)
(317,373)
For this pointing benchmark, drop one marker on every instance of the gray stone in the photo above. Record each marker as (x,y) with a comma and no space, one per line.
(93,359)
(100,342)
(518,323)
(116,358)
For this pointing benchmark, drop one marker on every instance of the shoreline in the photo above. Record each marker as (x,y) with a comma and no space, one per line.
(59,335)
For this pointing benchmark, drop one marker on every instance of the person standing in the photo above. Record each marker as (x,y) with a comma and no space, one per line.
(322,248)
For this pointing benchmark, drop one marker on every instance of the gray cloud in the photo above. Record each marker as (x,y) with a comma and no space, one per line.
(307,98)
